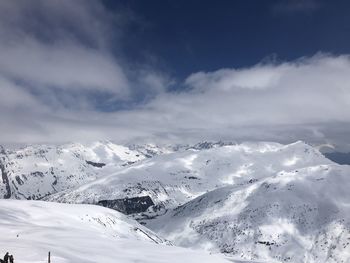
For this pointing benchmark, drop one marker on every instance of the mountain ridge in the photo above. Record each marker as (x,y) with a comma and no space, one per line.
(221,197)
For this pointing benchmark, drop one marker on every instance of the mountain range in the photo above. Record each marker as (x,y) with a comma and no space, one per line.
(254,201)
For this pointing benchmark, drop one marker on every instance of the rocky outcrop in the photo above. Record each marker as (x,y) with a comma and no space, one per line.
(128,205)
(98,165)
(4,173)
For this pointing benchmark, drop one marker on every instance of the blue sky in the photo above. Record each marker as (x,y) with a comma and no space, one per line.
(175,71)
(190,36)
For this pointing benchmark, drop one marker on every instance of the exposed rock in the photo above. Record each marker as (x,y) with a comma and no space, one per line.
(128,205)
(99,165)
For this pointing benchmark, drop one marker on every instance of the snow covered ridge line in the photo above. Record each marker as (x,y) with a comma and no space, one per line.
(83,233)
(37,171)
(173,179)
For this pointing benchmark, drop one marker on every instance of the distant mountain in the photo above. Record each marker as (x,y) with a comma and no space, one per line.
(34,172)
(173,179)
(83,233)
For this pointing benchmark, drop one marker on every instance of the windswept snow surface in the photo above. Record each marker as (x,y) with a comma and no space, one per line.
(83,233)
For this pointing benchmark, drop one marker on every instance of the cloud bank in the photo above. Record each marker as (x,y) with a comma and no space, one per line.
(61,80)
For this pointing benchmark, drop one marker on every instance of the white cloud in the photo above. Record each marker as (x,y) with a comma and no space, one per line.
(277,93)
(305,99)
(66,66)
(229,79)
(63,44)
(308,99)
(60,44)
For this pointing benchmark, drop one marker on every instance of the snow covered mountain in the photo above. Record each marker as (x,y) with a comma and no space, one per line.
(252,201)
(293,216)
(40,170)
(176,178)
(83,233)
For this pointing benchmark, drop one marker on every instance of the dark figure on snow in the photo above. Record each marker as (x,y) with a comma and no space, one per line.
(11,259)
(6,257)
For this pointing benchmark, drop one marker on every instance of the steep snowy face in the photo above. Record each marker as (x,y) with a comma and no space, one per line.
(173,179)
(82,233)
(37,171)
(300,215)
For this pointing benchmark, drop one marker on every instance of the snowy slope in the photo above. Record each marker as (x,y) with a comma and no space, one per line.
(176,178)
(295,216)
(39,170)
(82,233)
(252,201)
(265,202)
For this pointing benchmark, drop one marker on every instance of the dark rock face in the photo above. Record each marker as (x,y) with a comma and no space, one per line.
(4,173)
(19,180)
(128,205)
(209,145)
(99,165)
(37,174)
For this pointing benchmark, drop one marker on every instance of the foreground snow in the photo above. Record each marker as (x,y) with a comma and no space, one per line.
(82,233)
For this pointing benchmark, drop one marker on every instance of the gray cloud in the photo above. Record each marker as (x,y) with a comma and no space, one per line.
(66,66)
(47,45)
(51,83)
(67,45)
